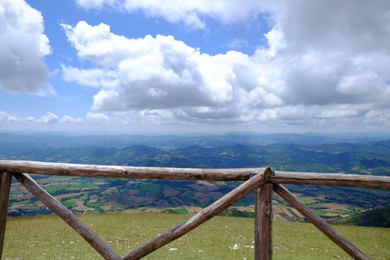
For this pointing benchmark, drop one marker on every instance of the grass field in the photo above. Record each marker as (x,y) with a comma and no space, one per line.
(48,237)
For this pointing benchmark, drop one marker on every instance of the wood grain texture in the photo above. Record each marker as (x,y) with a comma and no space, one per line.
(263,222)
(68,169)
(321,224)
(5,186)
(331,179)
(242,174)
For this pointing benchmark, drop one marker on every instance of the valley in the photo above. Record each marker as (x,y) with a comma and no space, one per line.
(91,195)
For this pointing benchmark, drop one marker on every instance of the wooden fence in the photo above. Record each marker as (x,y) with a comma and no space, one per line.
(263,180)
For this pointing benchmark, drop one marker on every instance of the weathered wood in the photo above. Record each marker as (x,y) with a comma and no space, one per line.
(98,244)
(263,222)
(5,186)
(67,169)
(204,215)
(322,225)
(331,179)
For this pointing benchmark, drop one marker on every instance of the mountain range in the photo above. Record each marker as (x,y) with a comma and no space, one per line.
(296,152)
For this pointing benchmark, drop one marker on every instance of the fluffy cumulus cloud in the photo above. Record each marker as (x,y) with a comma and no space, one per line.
(323,63)
(161,73)
(23,46)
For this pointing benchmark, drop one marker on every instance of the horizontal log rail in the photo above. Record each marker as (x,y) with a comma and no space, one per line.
(240,174)
(110,171)
(263,180)
(331,179)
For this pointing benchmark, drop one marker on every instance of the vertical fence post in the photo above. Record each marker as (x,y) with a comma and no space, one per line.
(263,222)
(5,186)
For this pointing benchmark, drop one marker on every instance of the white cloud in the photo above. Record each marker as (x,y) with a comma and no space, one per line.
(47,119)
(323,63)
(99,45)
(190,12)
(23,46)
(364,84)
(69,119)
(5,117)
(90,77)
(163,73)
(97,117)
(377,118)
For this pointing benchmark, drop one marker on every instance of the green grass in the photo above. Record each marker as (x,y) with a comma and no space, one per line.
(72,203)
(48,237)
(179,210)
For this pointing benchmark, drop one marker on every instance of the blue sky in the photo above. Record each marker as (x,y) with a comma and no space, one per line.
(194,66)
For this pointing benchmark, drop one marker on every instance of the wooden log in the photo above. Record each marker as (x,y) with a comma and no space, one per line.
(263,222)
(204,215)
(98,244)
(67,169)
(5,186)
(331,179)
(322,225)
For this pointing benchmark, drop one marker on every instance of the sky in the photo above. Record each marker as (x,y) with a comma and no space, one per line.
(164,66)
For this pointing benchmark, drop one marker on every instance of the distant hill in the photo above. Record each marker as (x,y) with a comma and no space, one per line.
(372,218)
(225,151)
(316,153)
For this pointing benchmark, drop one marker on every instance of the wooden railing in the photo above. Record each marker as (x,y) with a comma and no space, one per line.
(263,180)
